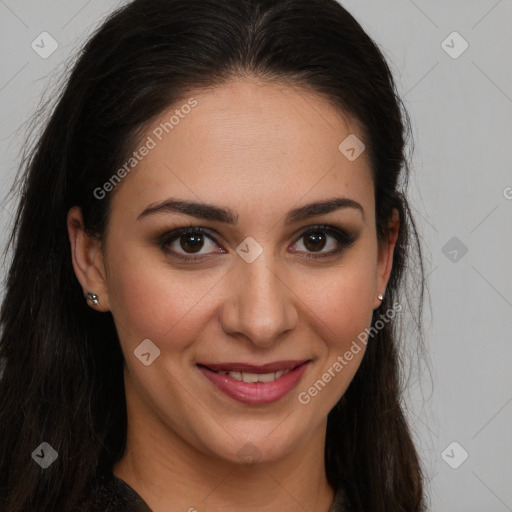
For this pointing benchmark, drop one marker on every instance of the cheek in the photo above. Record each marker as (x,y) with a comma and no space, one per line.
(342,297)
(148,299)
(339,305)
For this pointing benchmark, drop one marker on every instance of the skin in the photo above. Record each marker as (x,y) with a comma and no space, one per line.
(260,149)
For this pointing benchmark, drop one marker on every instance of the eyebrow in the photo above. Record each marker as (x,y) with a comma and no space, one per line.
(216,213)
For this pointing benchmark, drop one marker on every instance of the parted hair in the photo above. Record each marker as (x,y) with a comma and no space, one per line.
(62,365)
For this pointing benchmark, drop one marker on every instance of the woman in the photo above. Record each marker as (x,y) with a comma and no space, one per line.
(201,309)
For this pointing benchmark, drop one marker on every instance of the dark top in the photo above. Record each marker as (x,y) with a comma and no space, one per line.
(114,495)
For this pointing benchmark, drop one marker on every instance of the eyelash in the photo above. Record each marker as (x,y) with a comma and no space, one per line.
(344,238)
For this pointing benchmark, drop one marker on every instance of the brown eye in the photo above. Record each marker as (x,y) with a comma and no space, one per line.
(324,237)
(315,241)
(191,242)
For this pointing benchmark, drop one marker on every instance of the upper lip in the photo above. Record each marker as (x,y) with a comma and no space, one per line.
(251,368)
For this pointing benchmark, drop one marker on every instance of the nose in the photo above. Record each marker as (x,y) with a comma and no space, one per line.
(260,304)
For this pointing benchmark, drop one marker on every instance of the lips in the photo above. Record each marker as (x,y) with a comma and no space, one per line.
(251,384)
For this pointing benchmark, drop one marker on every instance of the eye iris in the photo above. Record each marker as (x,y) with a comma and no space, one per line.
(193,240)
(317,240)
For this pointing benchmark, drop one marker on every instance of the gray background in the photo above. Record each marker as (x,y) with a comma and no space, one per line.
(461,109)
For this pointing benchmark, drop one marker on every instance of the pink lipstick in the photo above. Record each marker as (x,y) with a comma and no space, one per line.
(251,384)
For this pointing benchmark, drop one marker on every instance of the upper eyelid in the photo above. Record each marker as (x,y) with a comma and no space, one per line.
(175,232)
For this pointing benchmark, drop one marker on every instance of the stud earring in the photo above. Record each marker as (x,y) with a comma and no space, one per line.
(380,297)
(93,298)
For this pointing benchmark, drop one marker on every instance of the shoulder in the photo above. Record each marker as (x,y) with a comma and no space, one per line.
(111,494)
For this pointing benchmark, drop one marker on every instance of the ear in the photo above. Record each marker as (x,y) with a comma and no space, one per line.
(385,255)
(87,259)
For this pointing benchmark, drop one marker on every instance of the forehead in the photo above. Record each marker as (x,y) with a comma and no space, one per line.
(248,144)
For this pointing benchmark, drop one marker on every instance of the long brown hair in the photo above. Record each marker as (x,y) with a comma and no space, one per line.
(62,379)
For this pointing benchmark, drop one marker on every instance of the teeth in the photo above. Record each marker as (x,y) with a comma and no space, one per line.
(256,377)
(266,377)
(249,377)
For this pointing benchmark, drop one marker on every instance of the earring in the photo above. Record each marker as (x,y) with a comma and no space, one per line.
(380,297)
(93,298)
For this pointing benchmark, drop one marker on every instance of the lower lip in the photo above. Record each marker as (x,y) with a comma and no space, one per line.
(255,392)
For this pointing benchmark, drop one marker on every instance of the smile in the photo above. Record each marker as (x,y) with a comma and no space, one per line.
(255,377)
(251,384)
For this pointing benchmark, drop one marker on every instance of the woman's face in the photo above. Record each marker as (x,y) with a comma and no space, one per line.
(269,281)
